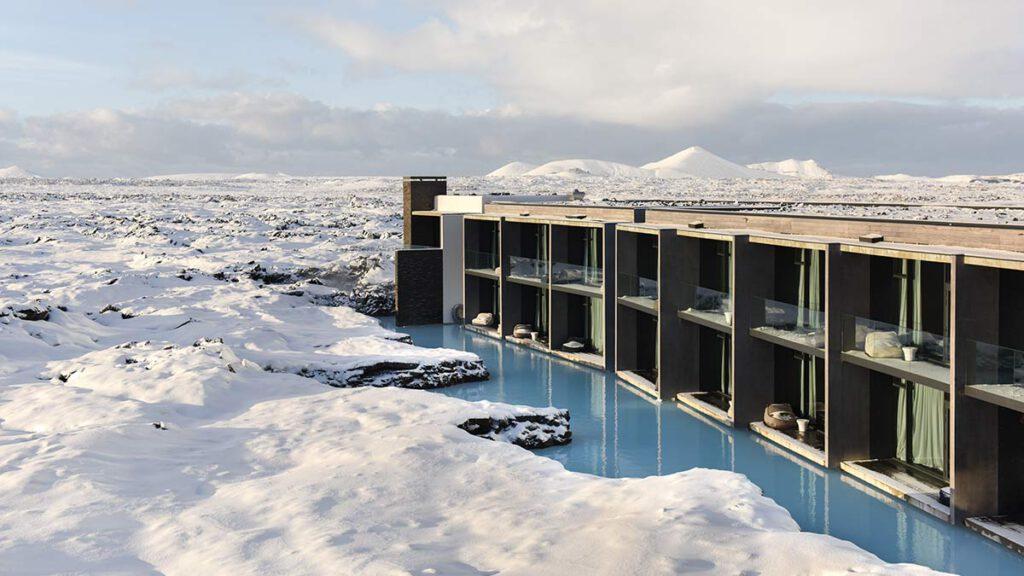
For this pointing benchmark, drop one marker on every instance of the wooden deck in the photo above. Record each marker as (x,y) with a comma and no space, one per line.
(905,482)
(485,330)
(585,358)
(810,445)
(707,405)
(528,343)
(1006,530)
(639,382)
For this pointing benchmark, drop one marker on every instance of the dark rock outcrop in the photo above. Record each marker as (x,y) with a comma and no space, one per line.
(544,429)
(401,374)
(372,300)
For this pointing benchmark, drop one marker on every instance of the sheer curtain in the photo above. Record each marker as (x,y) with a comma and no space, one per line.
(921,410)
(596,321)
(809,300)
(540,320)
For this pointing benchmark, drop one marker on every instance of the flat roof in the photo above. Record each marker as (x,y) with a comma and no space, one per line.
(562,220)
(644,228)
(926,252)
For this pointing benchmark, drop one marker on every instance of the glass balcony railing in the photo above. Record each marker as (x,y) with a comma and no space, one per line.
(592,276)
(918,353)
(532,268)
(884,340)
(994,364)
(706,303)
(477,260)
(634,286)
(794,323)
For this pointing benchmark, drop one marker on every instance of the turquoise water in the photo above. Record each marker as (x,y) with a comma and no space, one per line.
(616,432)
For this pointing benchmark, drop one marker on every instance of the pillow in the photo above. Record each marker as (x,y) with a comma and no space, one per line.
(883,345)
(483,319)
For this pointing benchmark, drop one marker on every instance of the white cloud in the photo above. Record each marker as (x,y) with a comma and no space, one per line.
(686,62)
(292,134)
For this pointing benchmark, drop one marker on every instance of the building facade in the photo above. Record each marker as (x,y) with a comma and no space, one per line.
(898,346)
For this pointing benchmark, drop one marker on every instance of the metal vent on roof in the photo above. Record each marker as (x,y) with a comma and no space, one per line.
(576,216)
(696,224)
(871,238)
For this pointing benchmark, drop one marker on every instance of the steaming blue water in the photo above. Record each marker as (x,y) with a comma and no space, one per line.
(617,432)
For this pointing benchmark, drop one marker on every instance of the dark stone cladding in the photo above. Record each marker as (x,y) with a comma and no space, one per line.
(419,289)
(418,193)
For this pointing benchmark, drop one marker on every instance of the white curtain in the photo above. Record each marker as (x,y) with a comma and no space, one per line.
(921,422)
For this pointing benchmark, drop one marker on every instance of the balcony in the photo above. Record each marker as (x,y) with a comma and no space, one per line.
(996,374)
(795,327)
(707,307)
(528,271)
(914,355)
(577,279)
(638,292)
(485,264)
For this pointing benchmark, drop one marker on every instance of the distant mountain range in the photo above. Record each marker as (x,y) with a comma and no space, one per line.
(693,162)
(15,172)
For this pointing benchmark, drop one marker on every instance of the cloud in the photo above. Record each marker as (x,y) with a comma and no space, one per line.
(289,133)
(670,63)
(170,78)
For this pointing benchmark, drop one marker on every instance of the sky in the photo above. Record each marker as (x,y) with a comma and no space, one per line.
(102,88)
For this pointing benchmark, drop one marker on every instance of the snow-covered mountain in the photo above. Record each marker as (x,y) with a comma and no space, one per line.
(1017,178)
(262,176)
(586,167)
(806,169)
(15,172)
(513,169)
(696,162)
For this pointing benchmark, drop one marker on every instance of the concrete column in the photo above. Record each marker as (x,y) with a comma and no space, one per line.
(847,387)
(625,332)
(974,425)
(672,361)
(752,361)
(608,238)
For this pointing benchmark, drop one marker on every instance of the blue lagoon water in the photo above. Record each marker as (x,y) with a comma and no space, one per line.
(618,432)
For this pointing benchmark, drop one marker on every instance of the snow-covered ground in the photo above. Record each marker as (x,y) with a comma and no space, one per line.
(164,349)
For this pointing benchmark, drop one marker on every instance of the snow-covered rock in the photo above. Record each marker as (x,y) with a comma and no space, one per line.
(807,169)
(531,428)
(696,162)
(584,167)
(513,169)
